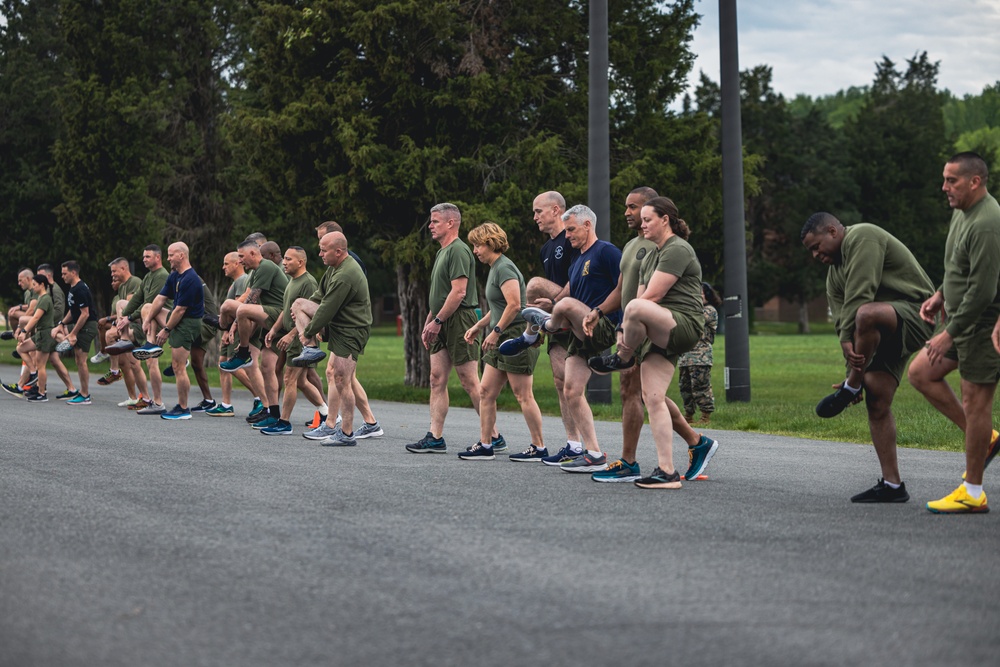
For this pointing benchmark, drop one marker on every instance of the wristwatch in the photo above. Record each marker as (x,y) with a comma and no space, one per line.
(437,321)
(497,329)
(167,329)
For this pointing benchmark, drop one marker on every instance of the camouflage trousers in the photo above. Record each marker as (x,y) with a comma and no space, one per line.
(696,389)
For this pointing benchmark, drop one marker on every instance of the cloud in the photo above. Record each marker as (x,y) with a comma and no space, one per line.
(818,48)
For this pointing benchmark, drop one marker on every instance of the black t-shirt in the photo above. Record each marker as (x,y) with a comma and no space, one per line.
(78,297)
(556,255)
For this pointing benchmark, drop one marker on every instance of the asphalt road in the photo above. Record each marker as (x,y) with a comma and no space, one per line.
(128,540)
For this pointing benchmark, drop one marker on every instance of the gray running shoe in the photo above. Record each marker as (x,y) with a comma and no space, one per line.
(322,432)
(152,409)
(338,439)
(369,431)
(309,355)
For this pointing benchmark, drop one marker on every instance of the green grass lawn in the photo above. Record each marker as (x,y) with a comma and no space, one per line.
(789,375)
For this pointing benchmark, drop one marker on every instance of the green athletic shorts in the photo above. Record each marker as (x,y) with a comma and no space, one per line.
(347,342)
(452,337)
(683,338)
(186,334)
(43,340)
(894,352)
(138,335)
(561,339)
(86,335)
(273,313)
(978,361)
(522,363)
(603,338)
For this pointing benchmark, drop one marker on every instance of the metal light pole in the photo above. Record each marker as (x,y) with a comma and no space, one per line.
(599,153)
(734,222)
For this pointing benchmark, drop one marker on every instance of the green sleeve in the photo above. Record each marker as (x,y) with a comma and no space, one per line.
(134,304)
(981,286)
(862,271)
(339,293)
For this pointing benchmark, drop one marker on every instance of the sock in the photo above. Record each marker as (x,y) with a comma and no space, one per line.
(226,405)
(850,388)
(274,411)
(974,490)
(284,422)
(890,484)
(323,408)
(486,446)
(575,445)
(243,352)
(371,423)
(530,337)
(594,455)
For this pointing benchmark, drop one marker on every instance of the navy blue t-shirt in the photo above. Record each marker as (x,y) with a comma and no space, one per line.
(186,290)
(357,259)
(594,275)
(557,255)
(78,297)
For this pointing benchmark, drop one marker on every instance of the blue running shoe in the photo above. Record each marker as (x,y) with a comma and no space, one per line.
(428,445)
(498,444)
(564,455)
(478,452)
(147,351)
(281,428)
(79,399)
(257,408)
(699,456)
(266,422)
(176,412)
(309,355)
(619,471)
(532,454)
(235,364)
(514,346)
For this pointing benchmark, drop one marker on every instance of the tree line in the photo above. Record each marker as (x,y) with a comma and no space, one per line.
(128,122)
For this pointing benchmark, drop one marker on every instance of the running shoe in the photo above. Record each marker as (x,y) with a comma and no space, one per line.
(310,354)
(79,400)
(129,402)
(109,378)
(619,471)
(100,358)
(168,372)
(536,316)
(532,454)
(121,347)
(515,346)
(367,430)
(32,381)
(339,439)
(37,398)
(257,408)
(64,347)
(7,335)
(321,432)
(15,354)
(586,463)
(660,480)
(498,444)
(236,363)
(699,456)
(221,411)
(259,417)
(280,428)
(141,404)
(205,405)
(176,412)
(478,452)
(837,402)
(882,493)
(428,445)
(147,351)
(152,409)
(12,389)
(67,395)
(959,502)
(266,422)
(564,455)
(609,363)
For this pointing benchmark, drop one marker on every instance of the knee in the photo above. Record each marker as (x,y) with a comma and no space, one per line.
(438,379)
(864,320)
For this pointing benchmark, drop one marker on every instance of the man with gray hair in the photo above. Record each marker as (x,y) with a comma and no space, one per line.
(453,300)
(593,276)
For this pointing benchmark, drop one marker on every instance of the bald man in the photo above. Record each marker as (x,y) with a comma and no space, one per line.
(341,307)
(183,326)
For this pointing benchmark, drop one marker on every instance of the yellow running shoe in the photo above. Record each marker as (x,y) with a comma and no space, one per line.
(959,502)
(994,448)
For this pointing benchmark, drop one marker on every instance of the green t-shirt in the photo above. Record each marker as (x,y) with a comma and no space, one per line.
(342,295)
(271,281)
(875,266)
(238,287)
(632,256)
(503,270)
(47,321)
(27,297)
(677,257)
(152,284)
(58,301)
(131,286)
(298,288)
(452,262)
(972,267)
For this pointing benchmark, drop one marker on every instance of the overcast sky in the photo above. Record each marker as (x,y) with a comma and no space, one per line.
(818,47)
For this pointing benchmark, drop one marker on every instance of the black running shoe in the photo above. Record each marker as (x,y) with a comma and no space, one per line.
(882,493)
(609,363)
(7,335)
(837,402)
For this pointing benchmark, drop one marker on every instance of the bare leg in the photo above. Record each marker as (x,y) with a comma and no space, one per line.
(577,376)
(633,414)
(657,373)
(521,386)
(929,380)
(977,399)
(198,364)
(880,388)
(179,358)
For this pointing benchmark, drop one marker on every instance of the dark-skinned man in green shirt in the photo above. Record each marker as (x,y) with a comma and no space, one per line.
(969,302)
(875,288)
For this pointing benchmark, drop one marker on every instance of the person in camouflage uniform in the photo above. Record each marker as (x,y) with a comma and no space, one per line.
(695,367)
